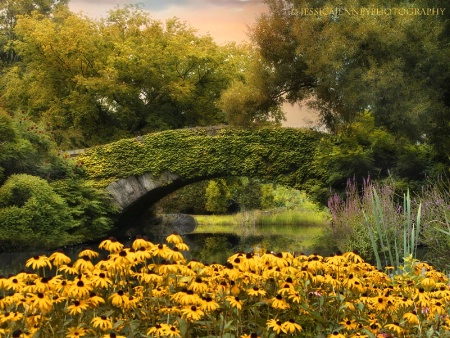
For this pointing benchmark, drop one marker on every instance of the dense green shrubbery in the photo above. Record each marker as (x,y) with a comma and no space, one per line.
(44,199)
(32,214)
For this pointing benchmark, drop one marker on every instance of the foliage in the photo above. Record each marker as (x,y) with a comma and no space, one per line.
(348,63)
(32,214)
(277,154)
(190,199)
(217,195)
(90,209)
(246,101)
(31,165)
(307,296)
(435,199)
(96,81)
(353,216)
(9,14)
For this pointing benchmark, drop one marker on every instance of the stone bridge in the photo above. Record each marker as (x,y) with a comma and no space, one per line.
(138,172)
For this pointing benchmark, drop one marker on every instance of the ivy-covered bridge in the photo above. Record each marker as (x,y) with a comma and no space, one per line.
(138,172)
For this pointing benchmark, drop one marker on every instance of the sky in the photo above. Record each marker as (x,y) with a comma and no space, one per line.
(224,20)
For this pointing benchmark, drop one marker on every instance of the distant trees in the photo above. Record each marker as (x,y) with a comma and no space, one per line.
(395,66)
(97,81)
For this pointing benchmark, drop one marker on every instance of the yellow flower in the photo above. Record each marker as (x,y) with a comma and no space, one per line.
(102,322)
(111,244)
(95,300)
(394,328)
(88,253)
(279,303)
(234,302)
(78,306)
(276,326)
(411,318)
(75,332)
(119,298)
(100,280)
(41,302)
(37,262)
(349,324)
(173,332)
(159,330)
(83,264)
(80,289)
(336,334)
(174,238)
(256,291)
(198,286)
(58,258)
(192,313)
(209,305)
(112,335)
(291,326)
(141,242)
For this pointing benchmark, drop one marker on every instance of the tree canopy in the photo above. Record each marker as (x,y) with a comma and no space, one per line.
(395,66)
(95,81)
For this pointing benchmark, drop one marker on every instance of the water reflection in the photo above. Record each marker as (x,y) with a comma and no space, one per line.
(205,247)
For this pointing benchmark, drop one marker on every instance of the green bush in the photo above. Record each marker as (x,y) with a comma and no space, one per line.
(32,214)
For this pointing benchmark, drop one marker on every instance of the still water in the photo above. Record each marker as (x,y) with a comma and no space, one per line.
(205,247)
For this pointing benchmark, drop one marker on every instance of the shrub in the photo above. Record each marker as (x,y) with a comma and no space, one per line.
(32,214)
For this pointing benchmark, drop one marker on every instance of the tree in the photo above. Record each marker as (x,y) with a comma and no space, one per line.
(10,10)
(217,195)
(95,81)
(348,63)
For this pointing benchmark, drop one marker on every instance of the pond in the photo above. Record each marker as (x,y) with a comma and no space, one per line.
(206,247)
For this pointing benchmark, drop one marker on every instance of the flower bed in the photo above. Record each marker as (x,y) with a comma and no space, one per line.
(151,290)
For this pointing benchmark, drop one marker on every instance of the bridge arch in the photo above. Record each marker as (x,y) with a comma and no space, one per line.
(137,172)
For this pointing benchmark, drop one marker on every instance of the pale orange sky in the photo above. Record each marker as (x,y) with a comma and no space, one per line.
(224,20)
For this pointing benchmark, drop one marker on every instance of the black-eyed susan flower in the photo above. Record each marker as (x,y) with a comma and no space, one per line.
(208,304)
(111,244)
(37,262)
(102,322)
(235,302)
(395,328)
(119,298)
(68,268)
(291,326)
(336,334)
(256,291)
(278,302)
(58,258)
(41,302)
(94,300)
(198,286)
(81,288)
(192,313)
(14,283)
(88,252)
(78,306)
(276,326)
(83,264)
(113,335)
(159,330)
(75,332)
(174,238)
(100,279)
(349,324)
(251,335)
(173,332)
(411,318)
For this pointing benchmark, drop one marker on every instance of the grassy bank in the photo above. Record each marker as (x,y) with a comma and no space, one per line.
(278,229)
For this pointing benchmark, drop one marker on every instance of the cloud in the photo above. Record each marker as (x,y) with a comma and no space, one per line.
(224,20)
